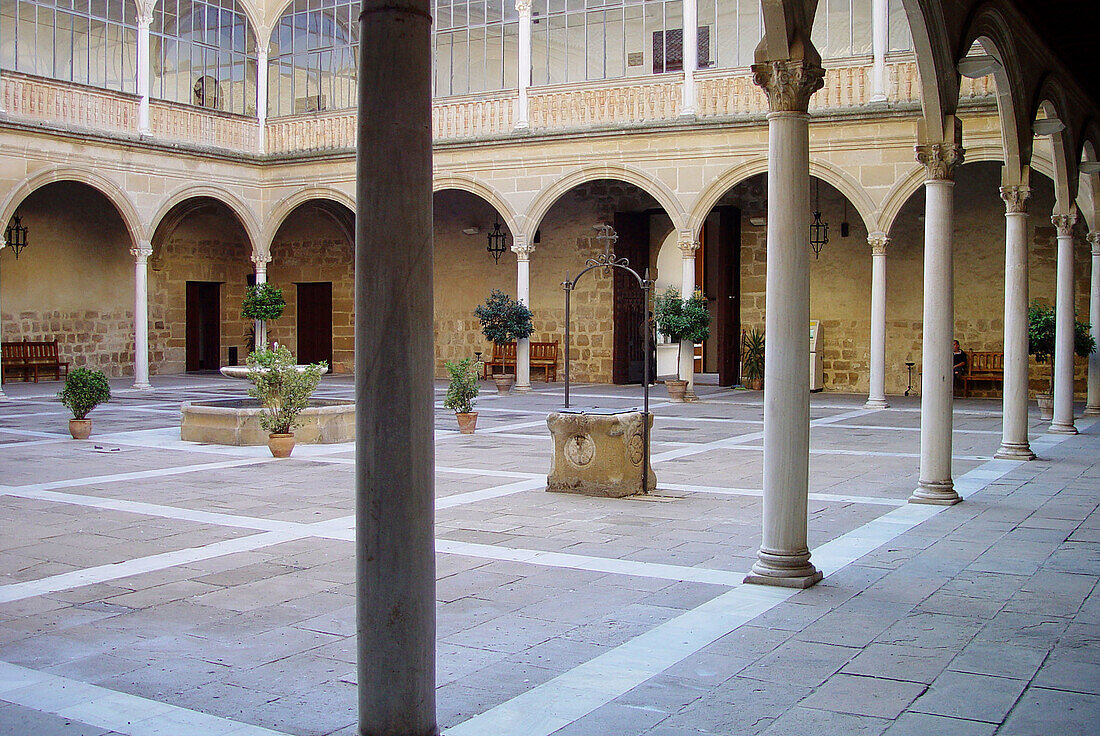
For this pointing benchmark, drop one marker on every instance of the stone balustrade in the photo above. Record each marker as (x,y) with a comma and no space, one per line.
(186,124)
(65,103)
(324,131)
(613,102)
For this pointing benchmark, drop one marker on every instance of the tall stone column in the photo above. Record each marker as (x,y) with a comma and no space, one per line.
(880,43)
(784,557)
(689,246)
(261,261)
(3,243)
(261,90)
(691,57)
(394,368)
(523,71)
(1063,328)
(523,251)
(141,314)
(1014,441)
(937,375)
(1092,407)
(144,21)
(876,396)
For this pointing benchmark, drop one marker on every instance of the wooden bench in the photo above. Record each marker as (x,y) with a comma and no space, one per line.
(543,355)
(32,358)
(984,366)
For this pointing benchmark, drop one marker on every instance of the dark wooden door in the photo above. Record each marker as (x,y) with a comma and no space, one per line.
(315,322)
(203,330)
(727,292)
(628,364)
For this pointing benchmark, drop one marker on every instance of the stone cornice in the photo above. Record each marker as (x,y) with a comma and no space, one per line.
(1064,224)
(939,160)
(788,84)
(1015,198)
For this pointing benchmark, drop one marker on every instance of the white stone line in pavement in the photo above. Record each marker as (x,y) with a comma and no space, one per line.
(461,499)
(609,565)
(32,433)
(755,492)
(857,453)
(33,443)
(116,711)
(136,475)
(570,696)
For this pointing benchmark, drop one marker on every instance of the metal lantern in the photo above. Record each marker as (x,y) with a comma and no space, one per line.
(819,231)
(16,235)
(497,244)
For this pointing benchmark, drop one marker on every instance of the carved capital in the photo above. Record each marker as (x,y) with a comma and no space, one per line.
(523,6)
(878,243)
(687,244)
(1064,224)
(142,252)
(522,249)
(1015,198)
(788,84)
(1094,240)
(939,160)
(261,260)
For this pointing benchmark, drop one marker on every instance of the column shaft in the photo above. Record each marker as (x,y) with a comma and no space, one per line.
(1063,329)
(394,367)
(1014,439)
(880,43)
(141,314)
(523,295)
(876,395)
(261,97)
(260,327)
(143,74)
(691,56)
(686,368)
(1092,406)
(524,69)
(2,396)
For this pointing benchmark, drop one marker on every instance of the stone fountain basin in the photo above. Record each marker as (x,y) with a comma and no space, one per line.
(237,422)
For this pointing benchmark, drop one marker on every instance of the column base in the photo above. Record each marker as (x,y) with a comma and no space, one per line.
(518,389)
(690,395)
(3,397)
(876,404)
(937,493)
(1014,451)
(1061,428)
(783,570)
(142,386)
(1092,411)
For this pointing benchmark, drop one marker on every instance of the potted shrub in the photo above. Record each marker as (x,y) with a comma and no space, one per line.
(752,358)
(262,302)
(461,392)
(1040,343)
(85,389)
(503,320)
(681,320)
(283,390)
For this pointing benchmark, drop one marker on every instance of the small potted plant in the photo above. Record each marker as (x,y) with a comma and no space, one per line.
(503,320)
(681,320)
(283,390)
(1041,331)
(85,389)
(262,303)
(752,356)
(461,392)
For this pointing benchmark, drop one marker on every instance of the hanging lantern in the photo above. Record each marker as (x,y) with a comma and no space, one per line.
(497,243)
(819,231)
(16,235)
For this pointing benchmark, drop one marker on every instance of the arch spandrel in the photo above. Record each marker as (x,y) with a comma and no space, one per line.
(482,190)
(114,193)
(282,209)
(240,209)
(545,199)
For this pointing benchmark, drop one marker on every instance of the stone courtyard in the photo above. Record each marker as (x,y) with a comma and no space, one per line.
(150,586)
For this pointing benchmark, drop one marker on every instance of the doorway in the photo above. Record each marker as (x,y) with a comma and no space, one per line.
(628,360)
(721,238)
(203,331)
(315,322)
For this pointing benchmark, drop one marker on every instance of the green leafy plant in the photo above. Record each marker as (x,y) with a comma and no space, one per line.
(503,319)
(84,390)
(1041,331)
(682,320)
(753,354)
(263,302)
(282,388)
(463,388)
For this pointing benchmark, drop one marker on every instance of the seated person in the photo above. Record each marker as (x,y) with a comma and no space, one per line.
(959,359)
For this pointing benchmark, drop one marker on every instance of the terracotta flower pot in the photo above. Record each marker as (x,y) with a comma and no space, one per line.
(1046,406)
(676,389)
(504,382)
(467,422)
(756,384)
(281,445)
(80,429)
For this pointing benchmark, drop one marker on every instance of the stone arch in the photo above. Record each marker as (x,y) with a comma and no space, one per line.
(114,194)
(1050,99)
(1088,193)
(235,204)
(939,82)
(826,172)
(479,189)
(323,194)
(651,186)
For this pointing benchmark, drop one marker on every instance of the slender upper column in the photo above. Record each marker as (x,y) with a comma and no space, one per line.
(880,42)
(1063,328)
(394,369)
(1092,407)
(523,251)
(688,246)
(523,73)
(261,261)
(144,21)
(691,56)
(876,396)
(784,557)
(1014,439)
(141,314)
(937,373)
(3,243)
(261,93)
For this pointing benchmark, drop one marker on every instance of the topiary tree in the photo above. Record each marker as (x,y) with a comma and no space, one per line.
(682,320)
(503,319)
(84,390)
(463,388)
(262,303)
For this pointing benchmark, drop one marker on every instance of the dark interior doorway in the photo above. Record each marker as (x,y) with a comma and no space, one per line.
(203,330)
(628,364)
(721,238)
(315,322)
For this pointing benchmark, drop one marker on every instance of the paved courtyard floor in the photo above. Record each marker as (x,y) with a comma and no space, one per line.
(154,587)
